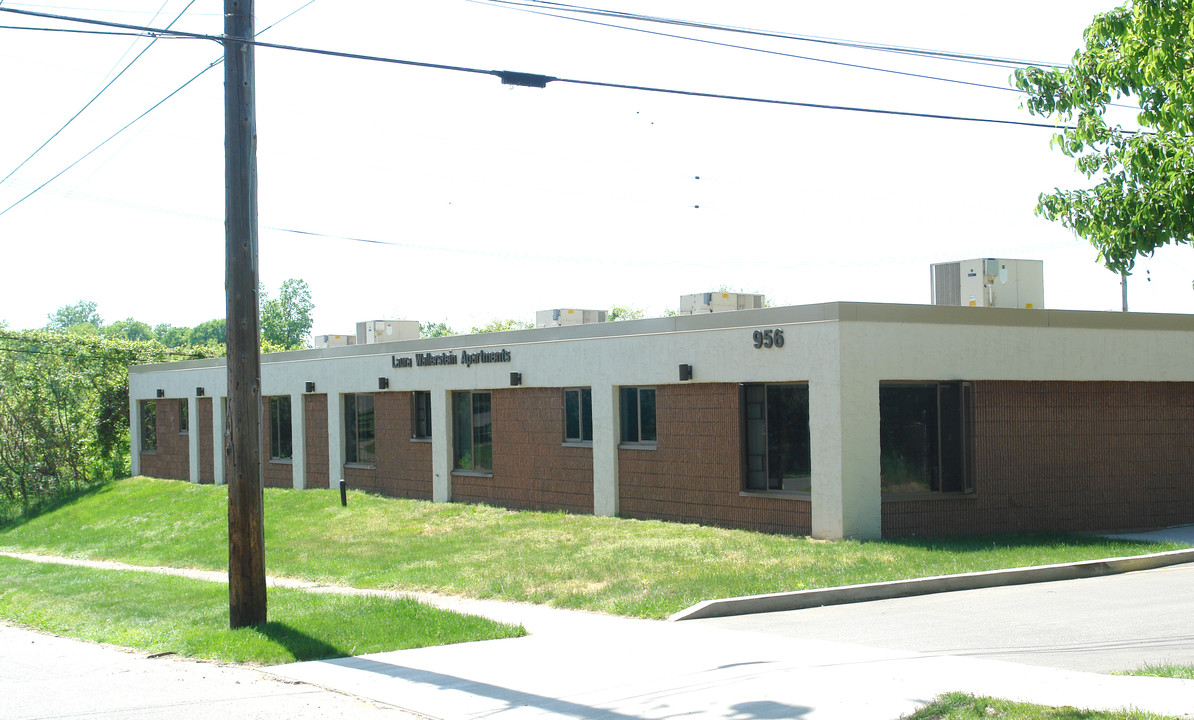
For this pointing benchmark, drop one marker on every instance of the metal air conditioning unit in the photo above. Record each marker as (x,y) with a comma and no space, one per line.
(720,302)
(989,282)
(379,331)
(330,341)
(568,316)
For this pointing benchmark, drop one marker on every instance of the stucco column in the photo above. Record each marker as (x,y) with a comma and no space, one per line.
(844,425)
(441,446)
(193,439)
(134,436)
(335,439)
(217,439)
(606,434)
(298,442)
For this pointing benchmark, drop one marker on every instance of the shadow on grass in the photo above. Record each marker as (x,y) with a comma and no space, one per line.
(14,516)
(987,543)
(299,644)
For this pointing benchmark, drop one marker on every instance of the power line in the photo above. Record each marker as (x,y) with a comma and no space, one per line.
(94,98)
(935,54)
(521,7)
(153,107)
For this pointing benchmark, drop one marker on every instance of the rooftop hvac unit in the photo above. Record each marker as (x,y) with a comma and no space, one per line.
(568,316)
(989,282)
(379,331)
(720,302)
(330,341)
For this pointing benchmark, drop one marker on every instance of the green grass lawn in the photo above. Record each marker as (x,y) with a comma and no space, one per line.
(614,565)
(1181,672)
(959,706)
(162,613)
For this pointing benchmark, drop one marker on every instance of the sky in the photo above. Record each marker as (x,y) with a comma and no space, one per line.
(401,192)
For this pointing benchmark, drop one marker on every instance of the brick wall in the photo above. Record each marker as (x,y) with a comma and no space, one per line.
(206,440)
(695,473)
(403,467)
(172,458)
(278,473)
(315,424)
(532,469)
(1069,456)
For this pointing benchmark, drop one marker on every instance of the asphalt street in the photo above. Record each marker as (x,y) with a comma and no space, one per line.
(1118,622)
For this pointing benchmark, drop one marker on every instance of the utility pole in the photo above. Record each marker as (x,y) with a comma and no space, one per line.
(1123,287)
(242,440)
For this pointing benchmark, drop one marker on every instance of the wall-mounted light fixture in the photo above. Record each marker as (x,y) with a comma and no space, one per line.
(685,372)
(310,386)
(383,383)
(199,392)
(161,392)
(515,379)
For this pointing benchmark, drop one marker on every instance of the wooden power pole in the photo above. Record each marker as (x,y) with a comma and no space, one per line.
(242,441)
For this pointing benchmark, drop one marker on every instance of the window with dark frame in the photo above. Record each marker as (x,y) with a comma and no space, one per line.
(637,414)
(926,437)
(421,411)
(149,426)
(578,415)
(472,431)
(183,417)
(360,446)
(777,445)
(280,446)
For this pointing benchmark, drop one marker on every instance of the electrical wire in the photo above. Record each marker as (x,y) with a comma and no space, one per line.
(519,7)
(153,107)
(935,54)
(95,97)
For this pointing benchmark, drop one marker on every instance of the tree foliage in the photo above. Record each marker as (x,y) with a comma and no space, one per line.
(70,317)
(128,329)
(286,320)
(624,312)
(435,329)
(503,325)
(1144,196)
(64,410)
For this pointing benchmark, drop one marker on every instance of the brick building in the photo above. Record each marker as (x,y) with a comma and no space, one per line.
(835,420)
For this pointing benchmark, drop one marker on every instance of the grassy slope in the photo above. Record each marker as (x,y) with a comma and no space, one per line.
(959,706)
(160,613)
(629,567)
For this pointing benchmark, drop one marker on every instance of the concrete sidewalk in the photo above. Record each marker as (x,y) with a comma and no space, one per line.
(581,665)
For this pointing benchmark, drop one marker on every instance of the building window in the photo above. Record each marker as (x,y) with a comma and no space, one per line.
(638,415)
(360,445)
(777,444)
(472,431)
(421,409)
(183,416)
(149,426)
(578,415)
(925,437)
(280,447)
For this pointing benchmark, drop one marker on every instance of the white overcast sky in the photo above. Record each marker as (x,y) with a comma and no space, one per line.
(498,201)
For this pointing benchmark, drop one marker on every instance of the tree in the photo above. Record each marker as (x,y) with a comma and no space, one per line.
(128,329)
(72,316)
(624,312)
(1144,196)
(435,329)
(172,336)
(211,332)
(503,325)
(286,320)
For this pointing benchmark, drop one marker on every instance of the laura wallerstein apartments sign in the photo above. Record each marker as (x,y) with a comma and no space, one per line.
(464,357)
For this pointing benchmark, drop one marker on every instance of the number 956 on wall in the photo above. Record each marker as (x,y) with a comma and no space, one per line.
(766,339)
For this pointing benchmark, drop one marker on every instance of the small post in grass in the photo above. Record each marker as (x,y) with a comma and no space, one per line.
(343,493)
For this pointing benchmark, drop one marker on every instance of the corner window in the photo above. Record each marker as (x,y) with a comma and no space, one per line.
(638,415)
(280,447)
(777,447)
(183,416)
(578,415)
(472,431)
(360,445)
(421,412)
(149,426)
(925,437)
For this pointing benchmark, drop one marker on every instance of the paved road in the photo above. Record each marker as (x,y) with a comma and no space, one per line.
(1102,624)
(42,677)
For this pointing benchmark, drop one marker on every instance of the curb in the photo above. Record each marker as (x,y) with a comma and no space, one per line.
(801,599)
